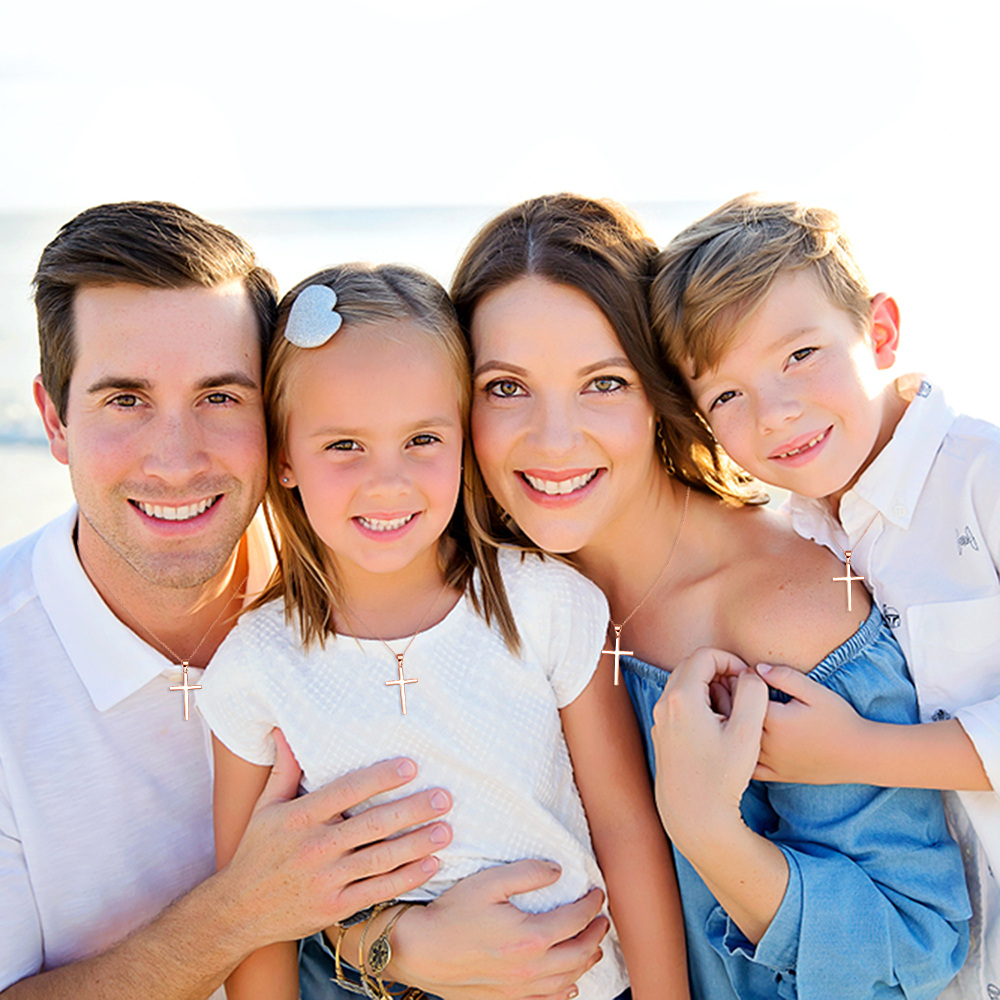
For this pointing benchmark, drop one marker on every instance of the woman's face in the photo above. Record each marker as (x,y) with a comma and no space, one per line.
(561,426)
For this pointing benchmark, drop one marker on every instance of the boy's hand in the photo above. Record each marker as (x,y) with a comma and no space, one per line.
(813,739)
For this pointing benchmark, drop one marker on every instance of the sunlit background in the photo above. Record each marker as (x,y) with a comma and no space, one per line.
(416,121)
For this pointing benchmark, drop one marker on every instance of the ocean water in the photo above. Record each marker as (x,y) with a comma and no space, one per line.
(947,334)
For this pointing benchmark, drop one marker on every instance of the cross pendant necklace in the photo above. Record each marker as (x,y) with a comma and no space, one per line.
(401,680)
(182,662)
(847,579)
(618,652)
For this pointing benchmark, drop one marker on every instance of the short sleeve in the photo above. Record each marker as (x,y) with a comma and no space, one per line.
(564,616)
(232,699)
(21,941)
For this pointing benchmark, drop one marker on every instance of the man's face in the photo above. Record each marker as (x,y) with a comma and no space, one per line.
(164,434)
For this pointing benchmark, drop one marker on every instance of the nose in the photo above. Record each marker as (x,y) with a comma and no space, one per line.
(774,406)
(555,426)
(388,477)
(177,449)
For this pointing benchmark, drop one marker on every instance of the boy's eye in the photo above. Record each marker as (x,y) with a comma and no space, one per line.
(504,388)
(802,353)
(607,383)
(722,399)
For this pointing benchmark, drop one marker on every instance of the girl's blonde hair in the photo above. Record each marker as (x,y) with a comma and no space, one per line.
(305,577)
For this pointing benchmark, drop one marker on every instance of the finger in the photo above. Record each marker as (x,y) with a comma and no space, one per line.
(391,885)
(749,707)
(499,883)
(283,782)
(579,922)
(705,663)
(374,825)
(352,789)
(793,682)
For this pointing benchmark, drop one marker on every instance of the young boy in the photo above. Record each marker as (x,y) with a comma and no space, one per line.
(763,310)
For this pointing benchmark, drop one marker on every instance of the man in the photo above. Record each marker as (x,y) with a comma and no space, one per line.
(153,325)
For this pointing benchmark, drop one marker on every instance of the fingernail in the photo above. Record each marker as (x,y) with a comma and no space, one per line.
(429,865)
(574,991)
(439,834)
(440,801)
(763,668)
(553,867)
(406,769)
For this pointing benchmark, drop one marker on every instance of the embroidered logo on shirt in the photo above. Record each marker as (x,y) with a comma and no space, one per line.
(925,388)
(966,539)
(890,616)
(940,716)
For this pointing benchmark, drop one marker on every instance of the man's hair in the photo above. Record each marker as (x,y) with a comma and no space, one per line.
(715,273)
(148,243)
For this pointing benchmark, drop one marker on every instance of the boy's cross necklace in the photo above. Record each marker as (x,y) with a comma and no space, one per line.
(618,651)
(847,579)
(181,661)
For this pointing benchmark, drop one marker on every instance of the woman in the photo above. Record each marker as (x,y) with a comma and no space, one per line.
(590,449)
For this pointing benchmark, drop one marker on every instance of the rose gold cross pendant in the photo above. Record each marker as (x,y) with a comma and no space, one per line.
(186,688)
(848,579)
(401,682)
(617,651)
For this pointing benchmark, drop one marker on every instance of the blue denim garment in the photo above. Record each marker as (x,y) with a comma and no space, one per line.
(876,904)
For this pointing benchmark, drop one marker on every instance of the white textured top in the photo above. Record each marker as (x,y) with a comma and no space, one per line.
(105,790)
(931,560)
(480,722)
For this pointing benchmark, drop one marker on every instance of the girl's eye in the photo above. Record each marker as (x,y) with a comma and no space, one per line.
(421,440)
(722,399)
(802,353)
(504,388)
(345,444)
(608,383)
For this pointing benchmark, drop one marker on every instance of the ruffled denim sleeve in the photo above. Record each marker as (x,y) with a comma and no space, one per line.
(876,904)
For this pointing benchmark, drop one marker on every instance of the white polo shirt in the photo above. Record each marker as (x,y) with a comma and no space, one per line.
(105,790)
(930,559)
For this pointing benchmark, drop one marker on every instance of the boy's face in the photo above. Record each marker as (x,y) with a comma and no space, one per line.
(798,400)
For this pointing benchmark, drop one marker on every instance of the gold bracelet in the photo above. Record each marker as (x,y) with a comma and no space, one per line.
(364,989)
(368,982)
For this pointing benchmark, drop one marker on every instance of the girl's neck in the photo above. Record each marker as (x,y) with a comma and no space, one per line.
(626,558)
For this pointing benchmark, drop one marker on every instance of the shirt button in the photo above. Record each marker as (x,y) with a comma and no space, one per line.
(899,510)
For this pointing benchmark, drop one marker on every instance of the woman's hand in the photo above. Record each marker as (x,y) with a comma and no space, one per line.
(472,943)
(707,739)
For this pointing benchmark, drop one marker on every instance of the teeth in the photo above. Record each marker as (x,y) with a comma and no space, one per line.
(184,513)
(373,524)
(563,486)
(809,444)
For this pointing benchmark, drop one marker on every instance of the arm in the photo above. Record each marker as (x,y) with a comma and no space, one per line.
(819,739)
(271,971)
(632,851)
(295,870)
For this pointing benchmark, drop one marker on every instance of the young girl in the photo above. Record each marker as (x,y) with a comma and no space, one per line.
(396,633)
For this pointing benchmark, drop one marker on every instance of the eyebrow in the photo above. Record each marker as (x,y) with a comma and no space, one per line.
(127,384)
(617,361)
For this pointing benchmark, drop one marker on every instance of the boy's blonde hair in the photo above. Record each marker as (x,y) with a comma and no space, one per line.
(305,577)
(715,273)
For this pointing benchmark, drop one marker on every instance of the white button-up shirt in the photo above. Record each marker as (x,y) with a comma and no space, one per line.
(930,558)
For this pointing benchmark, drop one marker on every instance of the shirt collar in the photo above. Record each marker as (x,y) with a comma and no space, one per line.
(110,659)
(892,484)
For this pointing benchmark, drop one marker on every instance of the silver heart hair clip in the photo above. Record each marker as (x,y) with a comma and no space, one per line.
(314,318)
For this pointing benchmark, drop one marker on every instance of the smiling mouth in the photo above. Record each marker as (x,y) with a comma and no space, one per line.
(561,487)
(161,512)
(803,447)
(376,524)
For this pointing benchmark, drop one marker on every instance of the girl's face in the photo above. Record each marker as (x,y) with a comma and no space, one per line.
(561,426)
(374,444)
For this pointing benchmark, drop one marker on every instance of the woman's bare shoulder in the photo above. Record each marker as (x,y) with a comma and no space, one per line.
(779,599)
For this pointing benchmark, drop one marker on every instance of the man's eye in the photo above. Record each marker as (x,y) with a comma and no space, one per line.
(504,388)
(219,398)
(126,400)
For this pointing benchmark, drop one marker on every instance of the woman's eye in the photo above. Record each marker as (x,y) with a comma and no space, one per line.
(802,353)
(608,383)
(722,399)
(504,388)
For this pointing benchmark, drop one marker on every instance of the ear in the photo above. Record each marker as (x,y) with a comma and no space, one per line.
(884,329)
(55,429)
(285,475)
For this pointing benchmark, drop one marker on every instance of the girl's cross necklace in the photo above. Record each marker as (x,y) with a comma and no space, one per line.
(181,661)
(401,680)
(618,651)
(847,579)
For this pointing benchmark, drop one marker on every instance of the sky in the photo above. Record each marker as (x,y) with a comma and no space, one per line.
(884,110)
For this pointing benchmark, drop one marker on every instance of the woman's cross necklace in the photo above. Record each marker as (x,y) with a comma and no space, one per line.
(181,661)
(847,579)
(618,651)
(401,680)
